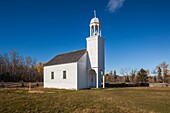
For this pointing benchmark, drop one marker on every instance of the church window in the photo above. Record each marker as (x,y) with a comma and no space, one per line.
(52,75)
(64,74)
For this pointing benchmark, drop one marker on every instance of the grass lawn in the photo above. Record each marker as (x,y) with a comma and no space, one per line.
(112,100)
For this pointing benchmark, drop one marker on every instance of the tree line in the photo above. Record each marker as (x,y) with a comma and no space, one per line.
(159,75)
(16,68)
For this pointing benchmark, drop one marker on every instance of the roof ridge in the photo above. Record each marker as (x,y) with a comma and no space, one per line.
(71,52)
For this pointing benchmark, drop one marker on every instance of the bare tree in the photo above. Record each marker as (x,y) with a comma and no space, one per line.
(127,71)
(164,67)
(133,74)
(122,71)
(28,62)
(1,66)
(14,63)
(6,74)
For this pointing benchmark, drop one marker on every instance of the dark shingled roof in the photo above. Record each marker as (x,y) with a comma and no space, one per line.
(66,57)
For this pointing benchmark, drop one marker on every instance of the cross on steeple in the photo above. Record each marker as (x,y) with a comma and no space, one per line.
(95,13)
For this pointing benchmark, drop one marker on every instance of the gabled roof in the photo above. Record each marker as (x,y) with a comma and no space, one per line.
(66,57)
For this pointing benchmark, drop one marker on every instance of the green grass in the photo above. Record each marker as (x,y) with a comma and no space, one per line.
(112,100)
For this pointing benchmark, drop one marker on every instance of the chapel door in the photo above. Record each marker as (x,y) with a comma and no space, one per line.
(92,79)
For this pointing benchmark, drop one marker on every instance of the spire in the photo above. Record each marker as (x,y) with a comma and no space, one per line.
(95,13)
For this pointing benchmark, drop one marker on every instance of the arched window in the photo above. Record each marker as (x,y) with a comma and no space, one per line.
(96,27)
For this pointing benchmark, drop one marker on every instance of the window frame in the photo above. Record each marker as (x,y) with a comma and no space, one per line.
(64,75)
(52,75)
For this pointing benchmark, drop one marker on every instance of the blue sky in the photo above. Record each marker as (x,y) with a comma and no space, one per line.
(136,32)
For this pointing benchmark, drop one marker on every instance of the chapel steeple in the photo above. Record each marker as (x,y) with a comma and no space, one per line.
(95,52)
(95,26)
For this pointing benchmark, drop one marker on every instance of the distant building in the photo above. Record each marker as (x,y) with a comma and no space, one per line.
(78,69)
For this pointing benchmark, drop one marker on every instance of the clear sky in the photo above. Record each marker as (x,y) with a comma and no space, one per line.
(136,32)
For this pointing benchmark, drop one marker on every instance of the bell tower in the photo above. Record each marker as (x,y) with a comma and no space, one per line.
(95,27)
(95,49)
